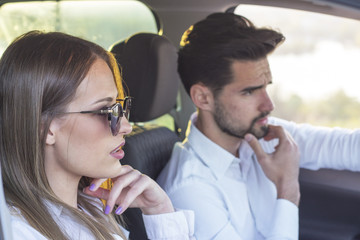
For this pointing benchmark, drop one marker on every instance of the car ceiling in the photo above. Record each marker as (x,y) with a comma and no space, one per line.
(335,6)
(177,15)
(346,8)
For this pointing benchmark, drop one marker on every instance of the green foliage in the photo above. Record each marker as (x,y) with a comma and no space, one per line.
(103,22)
(336,110)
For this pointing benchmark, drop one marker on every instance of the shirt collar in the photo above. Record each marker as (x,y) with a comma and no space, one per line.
(246,155)
(57,210)
(214,156)
(211,154)
(54,209)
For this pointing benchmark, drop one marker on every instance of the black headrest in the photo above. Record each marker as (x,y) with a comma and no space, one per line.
(148,64)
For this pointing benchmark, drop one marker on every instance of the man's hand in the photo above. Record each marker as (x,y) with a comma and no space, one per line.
(281,166)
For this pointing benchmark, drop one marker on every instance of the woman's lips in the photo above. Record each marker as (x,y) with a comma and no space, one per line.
(118,153)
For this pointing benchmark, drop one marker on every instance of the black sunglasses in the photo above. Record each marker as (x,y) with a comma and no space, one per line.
(114,113)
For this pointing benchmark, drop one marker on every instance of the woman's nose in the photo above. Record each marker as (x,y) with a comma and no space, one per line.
(125,127)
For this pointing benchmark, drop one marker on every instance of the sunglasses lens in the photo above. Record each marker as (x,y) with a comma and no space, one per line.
(117,113)
(127,106)
(115,119)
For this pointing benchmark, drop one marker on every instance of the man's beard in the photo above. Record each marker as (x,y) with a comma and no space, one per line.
(223,120)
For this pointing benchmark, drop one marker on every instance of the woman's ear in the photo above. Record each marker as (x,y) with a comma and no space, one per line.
(202,96)
(50,136)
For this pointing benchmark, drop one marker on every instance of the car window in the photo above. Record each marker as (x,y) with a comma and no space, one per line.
(315,71)
(103,22)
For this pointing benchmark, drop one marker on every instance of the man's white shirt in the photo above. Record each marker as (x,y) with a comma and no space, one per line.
(231,197)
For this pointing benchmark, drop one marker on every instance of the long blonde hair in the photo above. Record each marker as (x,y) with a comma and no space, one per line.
(39,75)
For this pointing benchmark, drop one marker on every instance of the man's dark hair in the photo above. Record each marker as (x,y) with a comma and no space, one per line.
(210,46)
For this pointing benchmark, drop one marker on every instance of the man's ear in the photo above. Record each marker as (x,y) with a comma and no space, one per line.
(50,136)
(202,96)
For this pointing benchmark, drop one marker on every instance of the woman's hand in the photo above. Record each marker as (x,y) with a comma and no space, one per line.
(132,189)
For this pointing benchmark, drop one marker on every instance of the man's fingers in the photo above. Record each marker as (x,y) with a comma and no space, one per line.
(274,132)
(286,142)
(255,145)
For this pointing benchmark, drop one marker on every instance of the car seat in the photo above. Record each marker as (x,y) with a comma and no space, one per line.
(148,64)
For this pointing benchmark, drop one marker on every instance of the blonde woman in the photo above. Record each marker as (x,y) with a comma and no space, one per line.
(63,122)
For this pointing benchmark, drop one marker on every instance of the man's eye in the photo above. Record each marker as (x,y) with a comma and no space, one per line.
(248,92)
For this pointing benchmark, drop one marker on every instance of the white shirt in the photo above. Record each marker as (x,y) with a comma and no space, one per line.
(171,226)
(231,197)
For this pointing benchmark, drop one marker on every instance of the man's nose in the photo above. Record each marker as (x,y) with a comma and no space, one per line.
(266,103)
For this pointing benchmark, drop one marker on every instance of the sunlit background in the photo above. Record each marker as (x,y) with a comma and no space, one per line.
(103,22)
(315,71)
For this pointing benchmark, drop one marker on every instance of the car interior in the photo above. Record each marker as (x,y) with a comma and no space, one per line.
(147,55)
(148,63)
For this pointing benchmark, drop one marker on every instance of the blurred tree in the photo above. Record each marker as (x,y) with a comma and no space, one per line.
(336,110)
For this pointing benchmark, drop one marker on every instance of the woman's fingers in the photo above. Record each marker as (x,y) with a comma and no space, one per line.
(147,195)
(118,189)
(96,191)
(133,192)
(132,189)
(96,183)
(101,193)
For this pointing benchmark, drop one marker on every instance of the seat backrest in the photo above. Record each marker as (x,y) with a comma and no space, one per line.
(148,65)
